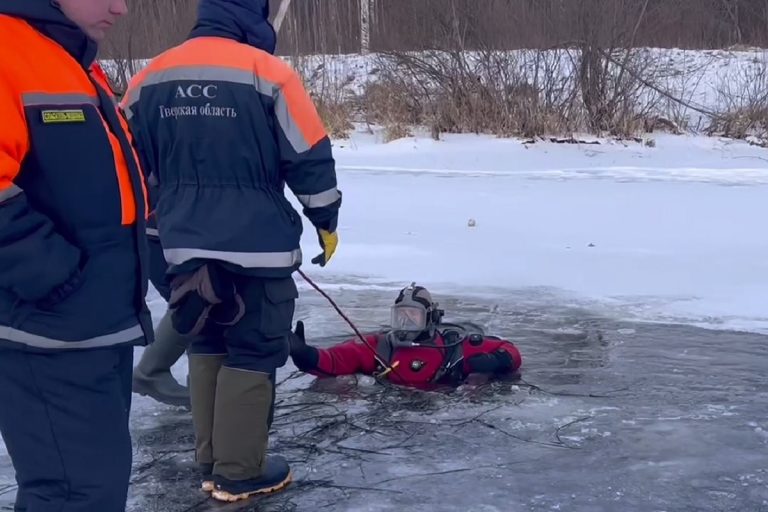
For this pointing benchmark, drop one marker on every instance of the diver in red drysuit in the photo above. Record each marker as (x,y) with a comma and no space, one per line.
(418,351)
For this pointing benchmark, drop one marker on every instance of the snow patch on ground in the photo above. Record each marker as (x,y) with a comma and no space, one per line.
(668,234)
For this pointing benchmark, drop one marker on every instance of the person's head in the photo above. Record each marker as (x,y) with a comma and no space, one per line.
(245,21)
(415,316)
(94,17)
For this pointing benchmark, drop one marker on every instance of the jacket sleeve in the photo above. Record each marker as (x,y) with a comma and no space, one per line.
(158,266)
(130,106)
(493,356)
(348,358)
(306,159)
(34,260)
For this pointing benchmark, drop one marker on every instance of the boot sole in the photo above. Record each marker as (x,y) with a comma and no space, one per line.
(208,486)
(231,498)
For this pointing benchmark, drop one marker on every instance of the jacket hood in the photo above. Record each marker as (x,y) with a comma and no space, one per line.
(245,21)
(45,16)
(34,10)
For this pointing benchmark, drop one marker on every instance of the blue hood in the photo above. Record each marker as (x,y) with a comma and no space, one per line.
(246,21)
(49,20)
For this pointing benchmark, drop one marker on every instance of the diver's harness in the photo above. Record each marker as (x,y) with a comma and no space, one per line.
(453,336)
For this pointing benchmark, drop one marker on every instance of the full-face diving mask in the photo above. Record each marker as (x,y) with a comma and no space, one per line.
(414,316)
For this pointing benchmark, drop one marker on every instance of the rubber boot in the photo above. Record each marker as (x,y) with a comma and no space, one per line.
(152,376)
(244,402)
(203,378)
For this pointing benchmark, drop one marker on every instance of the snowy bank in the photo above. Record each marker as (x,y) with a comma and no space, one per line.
(671,234)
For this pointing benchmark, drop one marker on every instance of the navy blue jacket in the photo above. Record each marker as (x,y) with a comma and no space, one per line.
(158,267)
(73,255)
(223,125)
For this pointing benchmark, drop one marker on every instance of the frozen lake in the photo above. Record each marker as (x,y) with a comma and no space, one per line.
(610,416)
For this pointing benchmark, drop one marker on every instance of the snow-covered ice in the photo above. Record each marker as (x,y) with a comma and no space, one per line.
(673,233)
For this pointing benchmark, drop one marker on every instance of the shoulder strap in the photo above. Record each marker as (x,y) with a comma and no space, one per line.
(463,329)
(384,348)
(453,354)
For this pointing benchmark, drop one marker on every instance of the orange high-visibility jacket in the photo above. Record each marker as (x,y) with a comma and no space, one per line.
(72,196)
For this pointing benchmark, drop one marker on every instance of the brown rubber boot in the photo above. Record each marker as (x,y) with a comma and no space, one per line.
(203,379)
(152,376)
(244,402)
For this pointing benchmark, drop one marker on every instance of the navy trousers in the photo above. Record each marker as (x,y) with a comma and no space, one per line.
(259,341)
(64,420)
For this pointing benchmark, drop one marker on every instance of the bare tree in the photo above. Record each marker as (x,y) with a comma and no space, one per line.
(365,26)
(731,11)
(354,26)
(282,11)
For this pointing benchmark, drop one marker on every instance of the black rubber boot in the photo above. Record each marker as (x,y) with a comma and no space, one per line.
(152,376)
(276,476)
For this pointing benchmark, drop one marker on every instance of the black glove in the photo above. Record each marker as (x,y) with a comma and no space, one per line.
(208,292)
(297,340)
(230,312)
(499,361)
(304,356)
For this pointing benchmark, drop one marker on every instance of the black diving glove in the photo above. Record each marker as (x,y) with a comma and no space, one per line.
(304,356)
(297,340)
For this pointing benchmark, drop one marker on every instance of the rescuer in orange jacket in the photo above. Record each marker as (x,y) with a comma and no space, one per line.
(72,259)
